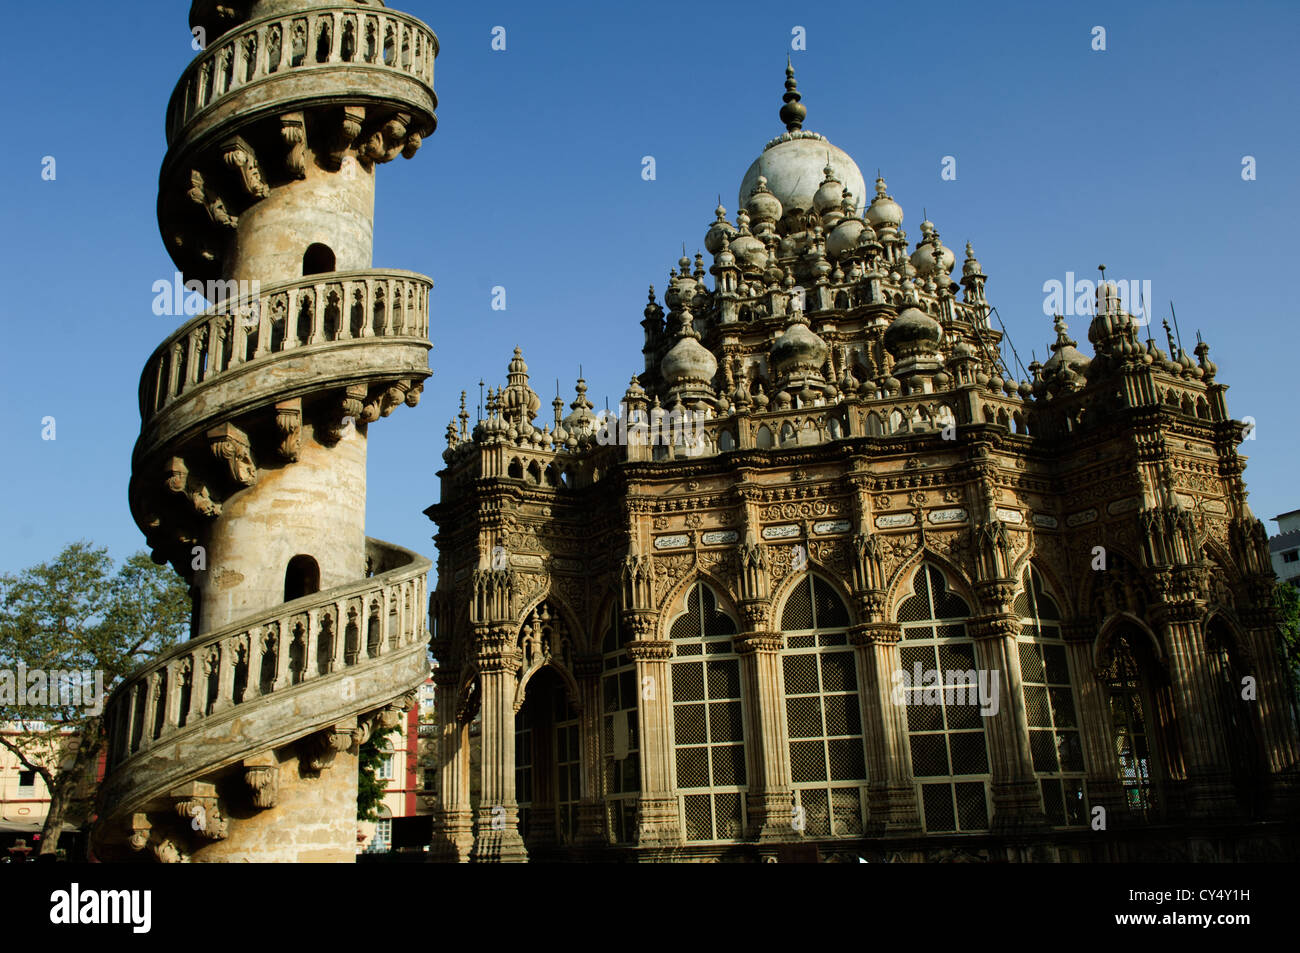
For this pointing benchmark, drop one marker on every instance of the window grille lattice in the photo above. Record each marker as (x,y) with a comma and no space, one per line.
(708,722)
(823,714)
(945,726)
(523,771)
(1129,725)
(619,735)
(568,768)
(1054,743)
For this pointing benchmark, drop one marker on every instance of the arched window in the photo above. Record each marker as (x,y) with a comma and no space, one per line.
(301,577)
(620,747)
(1130,712)
(942,690)
(1049,705)
(827,762)
(318,259)
(708,724)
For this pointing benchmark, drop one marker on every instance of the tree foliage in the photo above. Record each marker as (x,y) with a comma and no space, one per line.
(370,788)
(1286,600)
(75,614)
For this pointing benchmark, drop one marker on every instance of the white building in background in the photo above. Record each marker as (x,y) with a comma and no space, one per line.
(1284,548)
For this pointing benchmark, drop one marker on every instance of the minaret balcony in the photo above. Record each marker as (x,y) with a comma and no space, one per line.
(290,340)
(265,680)
(330,54)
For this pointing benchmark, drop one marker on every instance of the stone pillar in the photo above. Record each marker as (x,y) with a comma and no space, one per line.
(891,794)
(591,805)
(453,822)
(658,820)
(1095,729)
(1277,727)
(770,799)
(1209,790)
(1017,800)
(496,821)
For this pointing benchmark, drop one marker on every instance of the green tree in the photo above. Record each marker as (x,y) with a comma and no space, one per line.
(370,788)
(1286,600)
(75,614)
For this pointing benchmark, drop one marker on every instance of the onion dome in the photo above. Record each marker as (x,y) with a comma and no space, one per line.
(868,240)
(635,392)
(764,208)
(751,254)
(792,162)
(884,212)
(844,236)
(581,421)
(1209,368)
(829,197)
(519,402)
(798,349)
(913,334)
(723,257)
(971,267)
(688,361)
(719,231)
(923,257)
(1065,353)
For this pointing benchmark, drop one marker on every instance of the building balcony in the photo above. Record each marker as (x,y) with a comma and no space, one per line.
(323,55)
(267,680)
(315,334)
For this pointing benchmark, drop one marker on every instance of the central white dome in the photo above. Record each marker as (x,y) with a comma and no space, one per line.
(793,165)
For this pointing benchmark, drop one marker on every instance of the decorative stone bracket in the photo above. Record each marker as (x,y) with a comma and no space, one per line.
(230,444)
(197,804)
(262,778)
(320,749)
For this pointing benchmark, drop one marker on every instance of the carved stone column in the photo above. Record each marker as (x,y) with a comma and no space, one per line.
(496,822)
(591,806)
(1095,730)
(658,822)
(1017,800)
(891,795)
(453,823)
(1209,790)
(770,799)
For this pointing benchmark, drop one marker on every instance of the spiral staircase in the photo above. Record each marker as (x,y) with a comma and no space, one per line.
(249,475)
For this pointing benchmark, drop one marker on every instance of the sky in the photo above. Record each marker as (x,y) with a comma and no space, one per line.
(1065,156)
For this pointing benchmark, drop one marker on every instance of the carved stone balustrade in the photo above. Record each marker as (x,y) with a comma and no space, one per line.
(320,332)
(383,54)
(265,681)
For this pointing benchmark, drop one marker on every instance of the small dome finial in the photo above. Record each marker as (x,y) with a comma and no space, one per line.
(793,112)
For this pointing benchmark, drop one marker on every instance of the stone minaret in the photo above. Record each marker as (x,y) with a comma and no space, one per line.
(249,476)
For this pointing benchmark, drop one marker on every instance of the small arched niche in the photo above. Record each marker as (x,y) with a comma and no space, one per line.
(318,259)
(301,577)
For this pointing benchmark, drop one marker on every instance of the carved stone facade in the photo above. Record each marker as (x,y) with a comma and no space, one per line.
(249,476)
(870,597)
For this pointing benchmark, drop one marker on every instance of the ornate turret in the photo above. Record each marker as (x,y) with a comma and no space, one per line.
(249,475)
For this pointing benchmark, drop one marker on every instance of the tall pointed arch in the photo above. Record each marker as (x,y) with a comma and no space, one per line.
(946,739)
(823,711)
(1055,741)
(708,718)
(620,745)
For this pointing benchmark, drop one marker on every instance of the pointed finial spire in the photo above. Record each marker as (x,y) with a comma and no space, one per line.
(793,112)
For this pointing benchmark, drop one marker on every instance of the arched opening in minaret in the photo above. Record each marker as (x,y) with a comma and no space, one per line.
(318,259)
(548,757)
(301,578)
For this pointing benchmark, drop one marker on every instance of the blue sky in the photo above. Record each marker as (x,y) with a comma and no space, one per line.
(1066,157)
